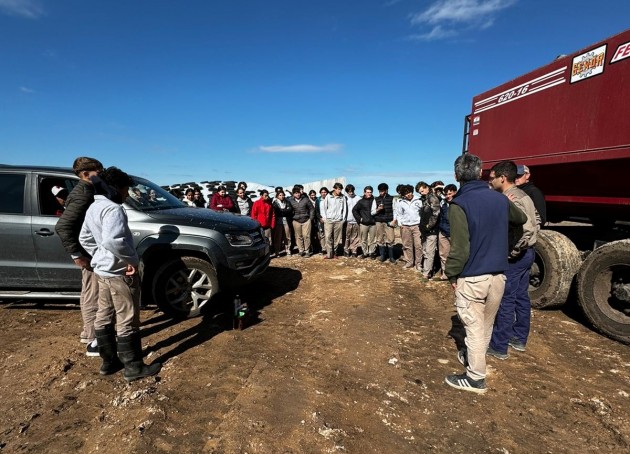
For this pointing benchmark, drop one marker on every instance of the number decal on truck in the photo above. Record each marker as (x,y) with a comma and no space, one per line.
(543,82)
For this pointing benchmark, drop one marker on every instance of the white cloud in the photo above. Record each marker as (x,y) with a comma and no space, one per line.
(302,148)
(30,9)
(437,32)
(443,15)
(26,90)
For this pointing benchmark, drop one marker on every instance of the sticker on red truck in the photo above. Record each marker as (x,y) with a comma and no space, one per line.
(623,51)
(588,64)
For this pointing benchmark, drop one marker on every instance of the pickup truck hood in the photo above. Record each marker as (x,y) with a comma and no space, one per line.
(201,217)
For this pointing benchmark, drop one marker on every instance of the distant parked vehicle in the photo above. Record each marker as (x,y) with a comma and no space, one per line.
(187,254)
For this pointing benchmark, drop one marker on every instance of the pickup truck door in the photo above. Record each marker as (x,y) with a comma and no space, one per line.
(17,253)
(55,267)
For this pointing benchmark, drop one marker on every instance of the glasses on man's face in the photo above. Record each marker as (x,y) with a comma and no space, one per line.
(493,177)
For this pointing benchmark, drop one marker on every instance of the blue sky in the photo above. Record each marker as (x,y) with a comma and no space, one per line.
(275,92)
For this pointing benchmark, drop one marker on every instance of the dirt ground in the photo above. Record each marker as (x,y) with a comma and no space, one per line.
(346,356)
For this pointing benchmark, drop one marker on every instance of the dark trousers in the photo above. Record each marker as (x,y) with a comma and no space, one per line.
(513,318)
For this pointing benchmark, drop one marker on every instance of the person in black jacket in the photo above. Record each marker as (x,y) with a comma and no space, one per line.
(303,215)
(428,226)
(444,236)
(537,196)
(281,231)
(385,235)
(68,228)
(364,212)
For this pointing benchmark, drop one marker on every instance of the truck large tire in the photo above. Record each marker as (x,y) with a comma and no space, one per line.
(182,287)
(557,260)
(603,288)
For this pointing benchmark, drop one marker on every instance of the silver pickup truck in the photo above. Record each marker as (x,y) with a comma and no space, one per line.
(187,254)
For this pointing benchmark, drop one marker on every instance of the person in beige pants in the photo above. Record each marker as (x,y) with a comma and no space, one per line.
(476,265)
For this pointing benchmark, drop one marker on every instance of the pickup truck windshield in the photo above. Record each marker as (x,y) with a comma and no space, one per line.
(147,196)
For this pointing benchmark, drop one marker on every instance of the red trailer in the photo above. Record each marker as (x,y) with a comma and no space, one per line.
(569,122)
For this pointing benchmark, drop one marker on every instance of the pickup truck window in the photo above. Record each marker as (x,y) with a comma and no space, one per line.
(12,193)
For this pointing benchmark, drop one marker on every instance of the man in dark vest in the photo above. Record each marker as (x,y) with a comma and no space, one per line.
(476,265)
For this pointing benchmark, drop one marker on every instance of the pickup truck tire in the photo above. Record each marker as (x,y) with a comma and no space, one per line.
(556,262)
(182,287)
(603,274)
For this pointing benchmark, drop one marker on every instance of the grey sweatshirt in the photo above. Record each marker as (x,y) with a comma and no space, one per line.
(105,235)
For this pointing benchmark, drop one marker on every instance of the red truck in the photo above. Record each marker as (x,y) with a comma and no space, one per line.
(569,122)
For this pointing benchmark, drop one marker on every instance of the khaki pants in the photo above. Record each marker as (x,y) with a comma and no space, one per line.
(119,302)
(88,302)
(281,237)
(302,235)
(429,245)
(267,234)
(411,245)
(385,235)
(368,239)
(444,247)
(333,231)
(352,237)
(477,299)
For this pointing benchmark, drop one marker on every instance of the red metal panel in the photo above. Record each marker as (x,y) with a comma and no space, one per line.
(569,121)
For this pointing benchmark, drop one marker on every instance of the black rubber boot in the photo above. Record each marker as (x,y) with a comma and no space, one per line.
(382,250)
(130,353)
(106,340)
(390,250)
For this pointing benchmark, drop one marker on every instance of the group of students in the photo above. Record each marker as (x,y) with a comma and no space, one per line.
(347,224)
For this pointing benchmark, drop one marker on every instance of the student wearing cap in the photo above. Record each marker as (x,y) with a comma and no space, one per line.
(522,182)
(61,194)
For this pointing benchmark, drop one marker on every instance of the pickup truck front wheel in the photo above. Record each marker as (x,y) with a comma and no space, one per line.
(182,287)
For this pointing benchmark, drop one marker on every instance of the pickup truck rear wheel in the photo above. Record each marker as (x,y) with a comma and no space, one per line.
(183,286)
(603,288)
(555,264)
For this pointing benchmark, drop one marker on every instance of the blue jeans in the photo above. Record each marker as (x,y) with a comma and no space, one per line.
(513,318)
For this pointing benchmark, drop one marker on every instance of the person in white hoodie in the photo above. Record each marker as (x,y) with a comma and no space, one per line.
(105,235)
(407,216)
(333,209)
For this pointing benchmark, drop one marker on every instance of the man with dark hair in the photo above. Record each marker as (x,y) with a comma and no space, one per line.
(385,235)
(522,182)
(106,236)
(444,236)
(68,228)
(476,264)
(303,215)
(334,210)
(263,212)
(428,226)
(511,326)
(352,226)
(407,216)
(364,212)
(323,193)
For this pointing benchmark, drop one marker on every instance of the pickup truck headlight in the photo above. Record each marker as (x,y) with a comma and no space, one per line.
(239,239)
